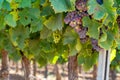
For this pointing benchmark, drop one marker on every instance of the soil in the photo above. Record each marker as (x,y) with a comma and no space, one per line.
(15,77)
(51,76)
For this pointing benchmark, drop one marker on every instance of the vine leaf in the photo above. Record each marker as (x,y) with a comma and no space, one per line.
(93,27)
(106,10)
(25,18)
(24,3)
(18,35)
(9,19)
(78,45)
(54,22)
(86,57)
(70,36)
(1,2)
(103,37)
(45,33)
(70,39)
(62,5)
(34,46)
(36,25)
(6,5)
(47,10)
(107,44)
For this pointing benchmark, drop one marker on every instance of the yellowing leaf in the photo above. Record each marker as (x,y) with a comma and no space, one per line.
(55,59)
(113,54)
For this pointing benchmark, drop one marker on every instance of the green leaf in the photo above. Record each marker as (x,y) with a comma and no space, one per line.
(80,59)
(36,3)
(42,1)
(24,3)
(78,45)
(87,59)
(41,60)
(90,61)
(1,2)
(9,19)
(70,36)
(107,44)
(47,11)
(34,13)
(64,5)
(34,46)
(117,2)
(15,56)
(103,37)
(6,5)
(45,33)
(100,11)
(72,49)
(28,15)
(36,25)
(54,22)
(25,18)
(18,35)
(93,27)
(48,48)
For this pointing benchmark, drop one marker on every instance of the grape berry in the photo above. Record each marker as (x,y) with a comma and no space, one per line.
(56,37)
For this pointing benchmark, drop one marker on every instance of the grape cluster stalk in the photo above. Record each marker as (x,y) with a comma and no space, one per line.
(74,19)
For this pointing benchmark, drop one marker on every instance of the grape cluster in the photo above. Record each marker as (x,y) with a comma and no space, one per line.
(95,45)
(74,19)
(56,36)
(81,5)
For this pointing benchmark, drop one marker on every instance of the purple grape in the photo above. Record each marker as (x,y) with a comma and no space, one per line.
(95,45)
(82,32)
(81,5)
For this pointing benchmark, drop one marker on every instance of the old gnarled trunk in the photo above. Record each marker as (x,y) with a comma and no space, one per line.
(26,65)
(58,75)
(4,73)
(72,68)
(94,72)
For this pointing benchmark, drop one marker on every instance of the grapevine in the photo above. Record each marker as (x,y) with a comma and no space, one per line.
(48,29)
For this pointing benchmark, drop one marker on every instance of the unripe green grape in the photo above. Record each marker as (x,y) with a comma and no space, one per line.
(56,36)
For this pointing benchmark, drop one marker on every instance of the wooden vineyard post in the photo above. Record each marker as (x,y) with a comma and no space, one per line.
(103,65)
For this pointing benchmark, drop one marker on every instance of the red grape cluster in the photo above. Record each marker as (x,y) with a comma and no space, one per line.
(95,45)
(74,19)
(81,5)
